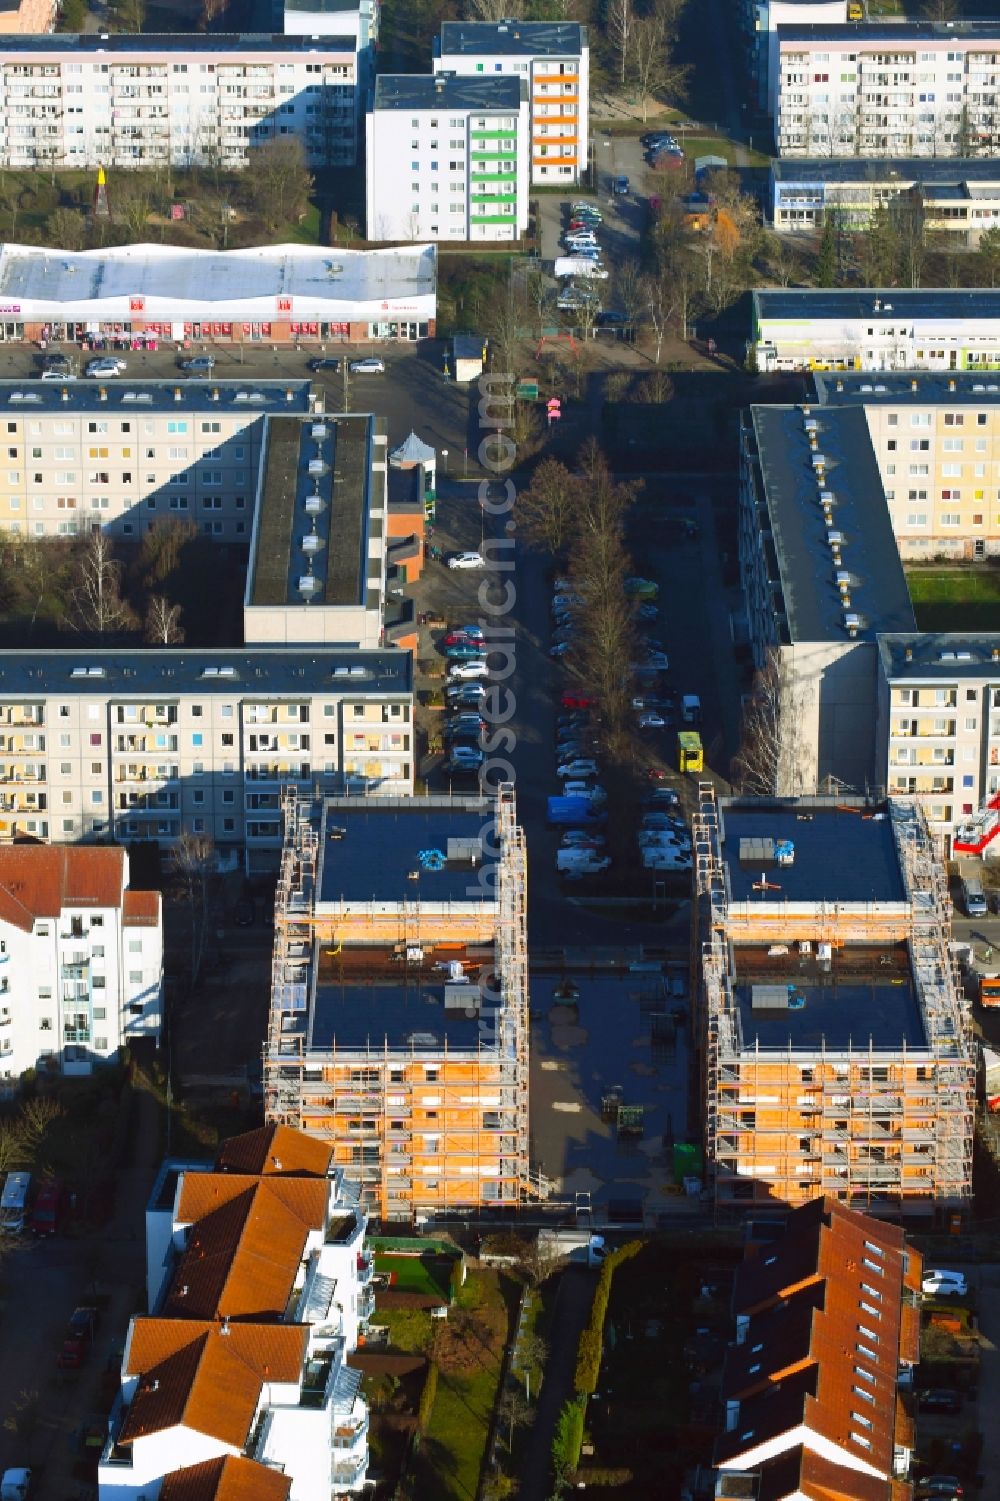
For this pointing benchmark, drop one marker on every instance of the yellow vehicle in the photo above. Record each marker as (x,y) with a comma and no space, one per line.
(690,756)
(854,12)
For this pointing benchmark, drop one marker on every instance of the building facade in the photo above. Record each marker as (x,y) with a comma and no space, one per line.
(81,960)
(123,101)
(262,1287)
(921,88)
(131,295)
(398,1030)
(835,1045)
(137,745)
(129,455)
(940,329)
(553,58)
(448,158)
(818,1383)
(759,22)
(958,196)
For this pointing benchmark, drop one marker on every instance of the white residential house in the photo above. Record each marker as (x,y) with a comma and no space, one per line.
(260,1286)
(553,58)
(81,959)
(448,158)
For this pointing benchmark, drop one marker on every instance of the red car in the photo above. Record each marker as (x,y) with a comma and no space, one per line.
(459,638)
(571,699)
(77,1342)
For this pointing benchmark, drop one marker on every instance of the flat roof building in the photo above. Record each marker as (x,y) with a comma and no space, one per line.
(553,58)
(318,552)
(822,578)
(475,190)
(937,328)
(399,997)
(835,1048)
(281,293)
(957,196)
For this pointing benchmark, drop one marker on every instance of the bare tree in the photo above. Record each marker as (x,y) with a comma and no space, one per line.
(656,300)
(132,205)
(67,228)
(129,15)
(547,510)
(280,182)
(515,1411)
(494,10)
(163,622)
(629,289)
(653,66)
(96,602)
(620,22)
(193,860)
(768,762)
(989,253)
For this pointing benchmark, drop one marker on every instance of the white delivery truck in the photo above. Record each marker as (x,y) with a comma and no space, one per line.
(579,265)
(14,1203)
(581,862)
(571,1245)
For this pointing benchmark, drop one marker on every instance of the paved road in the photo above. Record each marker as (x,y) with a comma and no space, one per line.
(570,1314)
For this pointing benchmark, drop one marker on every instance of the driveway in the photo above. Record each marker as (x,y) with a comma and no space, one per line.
(570,1314)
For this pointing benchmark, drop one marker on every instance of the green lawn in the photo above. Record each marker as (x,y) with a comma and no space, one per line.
(695,146)
(965,598)
(417,1274)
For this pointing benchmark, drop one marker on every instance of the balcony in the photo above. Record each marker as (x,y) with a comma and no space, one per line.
(349,1435)
(347,1475)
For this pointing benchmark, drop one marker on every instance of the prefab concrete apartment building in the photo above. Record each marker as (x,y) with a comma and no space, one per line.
(121,101)
(553,57)
(918,88)
(448,157)
(834,1037)
(398,1029)
(957,196)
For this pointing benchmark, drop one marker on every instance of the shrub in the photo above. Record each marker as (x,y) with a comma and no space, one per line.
(456,1278)
(589,1350)
(606,1477)
(427,1396)
(568,1438)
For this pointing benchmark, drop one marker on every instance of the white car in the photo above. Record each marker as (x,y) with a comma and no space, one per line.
(944,1283)
(477,668)
(467,560)
(371,365)
(106,366)
(582,766)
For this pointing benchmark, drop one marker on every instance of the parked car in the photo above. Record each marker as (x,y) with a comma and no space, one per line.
(474,632)
(940,1485)
(581,766)
(939,1399)
(199,364)
(57,375)
(245,912)
(640,588)
(467,560)
(652,719)
(371,365)
(662,797)
(582,839)
(939,1282)
(464,724)
(465,758)
(463,651)
(78,1338)
(49,1209)
(462,638)
(323,364)
(573,698)
(619,186)
(465,693)
(561,649)
(611,318)
(458,671)
(105,368)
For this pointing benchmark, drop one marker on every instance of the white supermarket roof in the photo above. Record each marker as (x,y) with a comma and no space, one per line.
(163,282)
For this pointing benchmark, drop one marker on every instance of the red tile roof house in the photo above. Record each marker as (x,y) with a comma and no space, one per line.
(258,1304)
(827,1327)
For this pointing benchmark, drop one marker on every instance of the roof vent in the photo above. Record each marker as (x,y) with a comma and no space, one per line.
(65,393)
(836,539)
(215,393)
(177,393)
(840,385)
(995,653)
(289,394)
(909,653)
(826,497)
(877,305)
(311,542)
(951,385)
(819,460)
(852,623)
(224,1326)
(913,385)
(103,393)
(308,585)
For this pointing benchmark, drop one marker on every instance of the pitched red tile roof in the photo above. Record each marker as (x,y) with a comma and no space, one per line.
(275,1151)
(802,1473)
(206,1376)
(227,1478)
(141,909)
(38,880)
(246,1244)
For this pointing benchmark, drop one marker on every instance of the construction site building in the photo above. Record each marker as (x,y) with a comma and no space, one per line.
(398,1025)
(834,1043)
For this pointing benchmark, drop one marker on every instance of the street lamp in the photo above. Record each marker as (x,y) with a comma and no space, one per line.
(444,460)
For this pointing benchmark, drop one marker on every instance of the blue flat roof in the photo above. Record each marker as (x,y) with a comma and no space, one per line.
(836,1013)
(127,397)
(894,34)
(513,38)
(253,672)
(916,387)
(860,302)
(382,842)
(840,856)
(353,1014)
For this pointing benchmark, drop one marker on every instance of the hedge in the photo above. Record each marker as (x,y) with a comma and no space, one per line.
(591,1346)
(427,1396)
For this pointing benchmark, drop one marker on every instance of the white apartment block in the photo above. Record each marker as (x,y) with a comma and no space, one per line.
(122,101)
(936,440)
(448,158)
(918,88)
(81,960)
(128,455)
(260,1286)
(553,57)
(759,22)
(937,732)
(137,745)
(845,328)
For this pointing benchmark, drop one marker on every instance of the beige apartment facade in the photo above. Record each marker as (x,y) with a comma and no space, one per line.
(150,745)
(127,455)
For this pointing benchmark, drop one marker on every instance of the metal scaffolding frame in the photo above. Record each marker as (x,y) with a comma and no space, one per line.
(381,1088)
(884,1129)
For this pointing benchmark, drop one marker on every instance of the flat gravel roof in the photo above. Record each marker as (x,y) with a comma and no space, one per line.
(835,1014)
(381,848)
(839,856)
